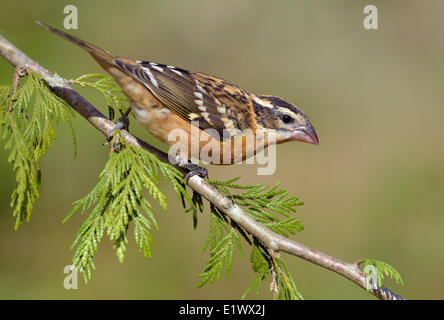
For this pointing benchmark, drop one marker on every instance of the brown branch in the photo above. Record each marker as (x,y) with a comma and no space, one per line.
(271,240)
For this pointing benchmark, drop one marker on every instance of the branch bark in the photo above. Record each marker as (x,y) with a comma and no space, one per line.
(269,239)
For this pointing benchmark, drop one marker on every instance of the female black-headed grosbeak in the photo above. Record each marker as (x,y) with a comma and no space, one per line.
(227,118)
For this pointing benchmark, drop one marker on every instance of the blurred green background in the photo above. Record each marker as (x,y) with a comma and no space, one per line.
(373,188)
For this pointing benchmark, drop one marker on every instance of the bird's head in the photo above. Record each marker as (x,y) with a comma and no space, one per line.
(289,121)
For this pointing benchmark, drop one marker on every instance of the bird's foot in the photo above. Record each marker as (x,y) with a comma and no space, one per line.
(122,123)
(194,170)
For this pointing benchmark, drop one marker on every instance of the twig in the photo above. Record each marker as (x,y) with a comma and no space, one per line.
(19,72)
(274,276)
(271,240)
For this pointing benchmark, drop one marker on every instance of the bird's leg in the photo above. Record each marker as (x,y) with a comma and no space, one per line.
(121,124)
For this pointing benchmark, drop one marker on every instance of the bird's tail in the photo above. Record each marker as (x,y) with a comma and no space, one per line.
(99,54)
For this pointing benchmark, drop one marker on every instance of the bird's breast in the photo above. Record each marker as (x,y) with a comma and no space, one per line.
(155,119)
(191,142)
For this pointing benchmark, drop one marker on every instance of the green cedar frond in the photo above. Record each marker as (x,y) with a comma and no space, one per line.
(265,204)
(221,257)
(286,287)
(269,206)
(382,269)
(118,199)
(107,86)
(27,121)
(197,204)
(261,264)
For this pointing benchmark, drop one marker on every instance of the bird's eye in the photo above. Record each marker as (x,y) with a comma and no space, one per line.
(287,119)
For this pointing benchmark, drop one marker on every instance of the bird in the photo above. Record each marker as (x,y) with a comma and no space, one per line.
(198,114)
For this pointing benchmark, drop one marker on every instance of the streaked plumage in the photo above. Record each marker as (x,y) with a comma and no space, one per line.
(165,98)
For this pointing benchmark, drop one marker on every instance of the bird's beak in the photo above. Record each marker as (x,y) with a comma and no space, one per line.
(306,134)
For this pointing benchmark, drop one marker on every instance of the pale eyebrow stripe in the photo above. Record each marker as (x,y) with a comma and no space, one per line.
(286,111)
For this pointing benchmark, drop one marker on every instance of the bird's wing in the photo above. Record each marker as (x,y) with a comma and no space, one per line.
(205,101)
